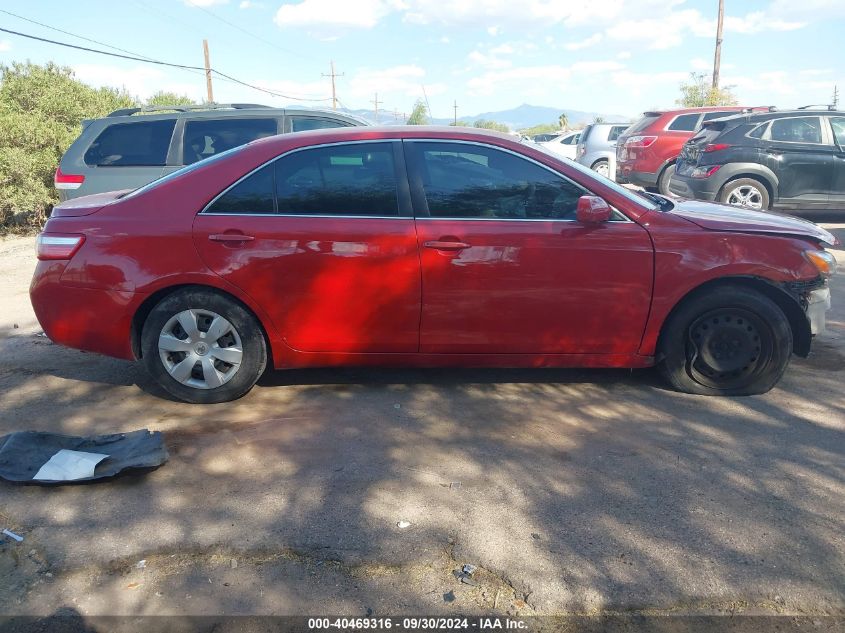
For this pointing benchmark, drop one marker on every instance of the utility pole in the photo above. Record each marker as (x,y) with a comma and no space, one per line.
(334,93)
(717,59)
(207,72)
(455,106)
(376,103)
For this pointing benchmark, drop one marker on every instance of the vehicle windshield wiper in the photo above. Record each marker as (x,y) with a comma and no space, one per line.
(664,203)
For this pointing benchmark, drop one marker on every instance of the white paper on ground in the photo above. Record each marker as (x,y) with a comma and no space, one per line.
(69,465)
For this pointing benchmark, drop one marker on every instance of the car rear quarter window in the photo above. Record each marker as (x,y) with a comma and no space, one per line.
(643,123)
(796,130)
(135,144)
(616,132)
(353,179)
(684,123)
(253,194)
(472,181)
(207,137)
(303,123)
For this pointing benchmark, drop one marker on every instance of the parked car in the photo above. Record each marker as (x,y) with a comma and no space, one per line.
(598,144)
(430,247)
(124,151)
(565,144)
(544,138)
(646,153)
(793,159)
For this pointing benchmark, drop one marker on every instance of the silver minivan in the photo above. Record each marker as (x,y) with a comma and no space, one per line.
(134,146)
(597,145)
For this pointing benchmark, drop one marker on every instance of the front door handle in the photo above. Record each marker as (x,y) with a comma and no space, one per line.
(230,237)
(446,245)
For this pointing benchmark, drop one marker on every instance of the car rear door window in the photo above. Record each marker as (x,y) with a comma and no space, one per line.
(139,143)
(684,123)
(252,195)
(797,130)
(616,132)
(207,137)
(462,180)
(349,179)
(303,123)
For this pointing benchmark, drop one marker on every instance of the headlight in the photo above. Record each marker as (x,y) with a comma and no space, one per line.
(823,261)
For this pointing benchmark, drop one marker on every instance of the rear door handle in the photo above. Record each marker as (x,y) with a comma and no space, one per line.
(444,245)
(230,237)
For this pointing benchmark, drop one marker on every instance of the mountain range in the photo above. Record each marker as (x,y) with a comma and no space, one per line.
(521,117)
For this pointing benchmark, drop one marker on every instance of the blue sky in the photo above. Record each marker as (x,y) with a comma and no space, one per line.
(609,56)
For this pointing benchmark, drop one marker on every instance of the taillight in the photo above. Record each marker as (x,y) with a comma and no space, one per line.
(67,181)
(715,147)
(640,141)
(57,246)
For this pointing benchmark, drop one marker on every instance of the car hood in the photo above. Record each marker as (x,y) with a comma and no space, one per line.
(720,217)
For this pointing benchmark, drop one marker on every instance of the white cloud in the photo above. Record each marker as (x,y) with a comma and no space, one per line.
(758,22)
(5,45)
(396,82)
(623,55)
(141,81)
(335,13)
(493,31)
(590,41)
(248,4)
(488,61)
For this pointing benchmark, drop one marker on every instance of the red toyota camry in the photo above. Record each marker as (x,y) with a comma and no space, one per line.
(425,247)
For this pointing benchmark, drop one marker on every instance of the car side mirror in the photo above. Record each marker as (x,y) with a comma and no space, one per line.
(593,210)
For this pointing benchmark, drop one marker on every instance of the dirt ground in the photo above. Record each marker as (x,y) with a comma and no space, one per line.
(572,491)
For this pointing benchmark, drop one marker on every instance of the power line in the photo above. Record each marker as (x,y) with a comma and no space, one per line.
(161,63)
(243,30)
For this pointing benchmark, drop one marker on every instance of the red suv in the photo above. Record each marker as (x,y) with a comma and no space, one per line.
(422,246)
(646,153)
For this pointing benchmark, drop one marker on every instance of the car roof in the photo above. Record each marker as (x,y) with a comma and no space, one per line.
(160,113)
(705,109)
(757,117)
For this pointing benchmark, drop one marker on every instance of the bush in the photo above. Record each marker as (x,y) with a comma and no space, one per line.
(41,113)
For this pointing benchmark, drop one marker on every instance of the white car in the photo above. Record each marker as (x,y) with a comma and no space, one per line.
(564,145)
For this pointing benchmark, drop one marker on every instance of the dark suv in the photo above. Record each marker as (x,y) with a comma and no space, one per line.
(125,151)
(786,159)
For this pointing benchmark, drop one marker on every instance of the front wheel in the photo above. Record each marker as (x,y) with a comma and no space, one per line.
(203,347)
(728,341)
(745,192)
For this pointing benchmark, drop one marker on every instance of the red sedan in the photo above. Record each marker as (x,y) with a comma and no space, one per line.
(425,247)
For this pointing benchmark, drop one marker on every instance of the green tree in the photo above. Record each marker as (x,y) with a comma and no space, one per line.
(163,98)
(563,119)
(543,128)
(698,92)
(41,113)
(598,119)
(486,124)
(419,115)
(460,123)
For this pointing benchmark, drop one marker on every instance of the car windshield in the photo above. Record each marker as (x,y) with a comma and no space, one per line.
(633,196)
(181,172)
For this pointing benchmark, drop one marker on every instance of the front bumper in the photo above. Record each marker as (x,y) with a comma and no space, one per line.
(818,303)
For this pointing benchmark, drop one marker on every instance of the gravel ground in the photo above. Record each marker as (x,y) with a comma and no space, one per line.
(572,491)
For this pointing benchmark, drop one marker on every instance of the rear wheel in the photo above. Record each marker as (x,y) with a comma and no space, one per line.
(665,177)
(203,347)
(745,192)
(602,168)
(728,341)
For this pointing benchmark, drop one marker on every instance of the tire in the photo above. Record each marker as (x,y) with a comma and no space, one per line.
(749,189)
(177,332)
(602,167)
(725,341)
(665,177)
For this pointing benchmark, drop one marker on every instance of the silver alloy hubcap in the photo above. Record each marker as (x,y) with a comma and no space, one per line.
(746,196)
(200,349)
(602,169)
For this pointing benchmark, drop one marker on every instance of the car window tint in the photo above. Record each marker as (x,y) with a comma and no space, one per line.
(717,115)
(838,124)
(355,179)
(643,123)
(797,130)
(302,123)
(758,131)
(253,194)
(684,122)
(143,143)
(616,132)
(471,181)
(207,137)
(571,140)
